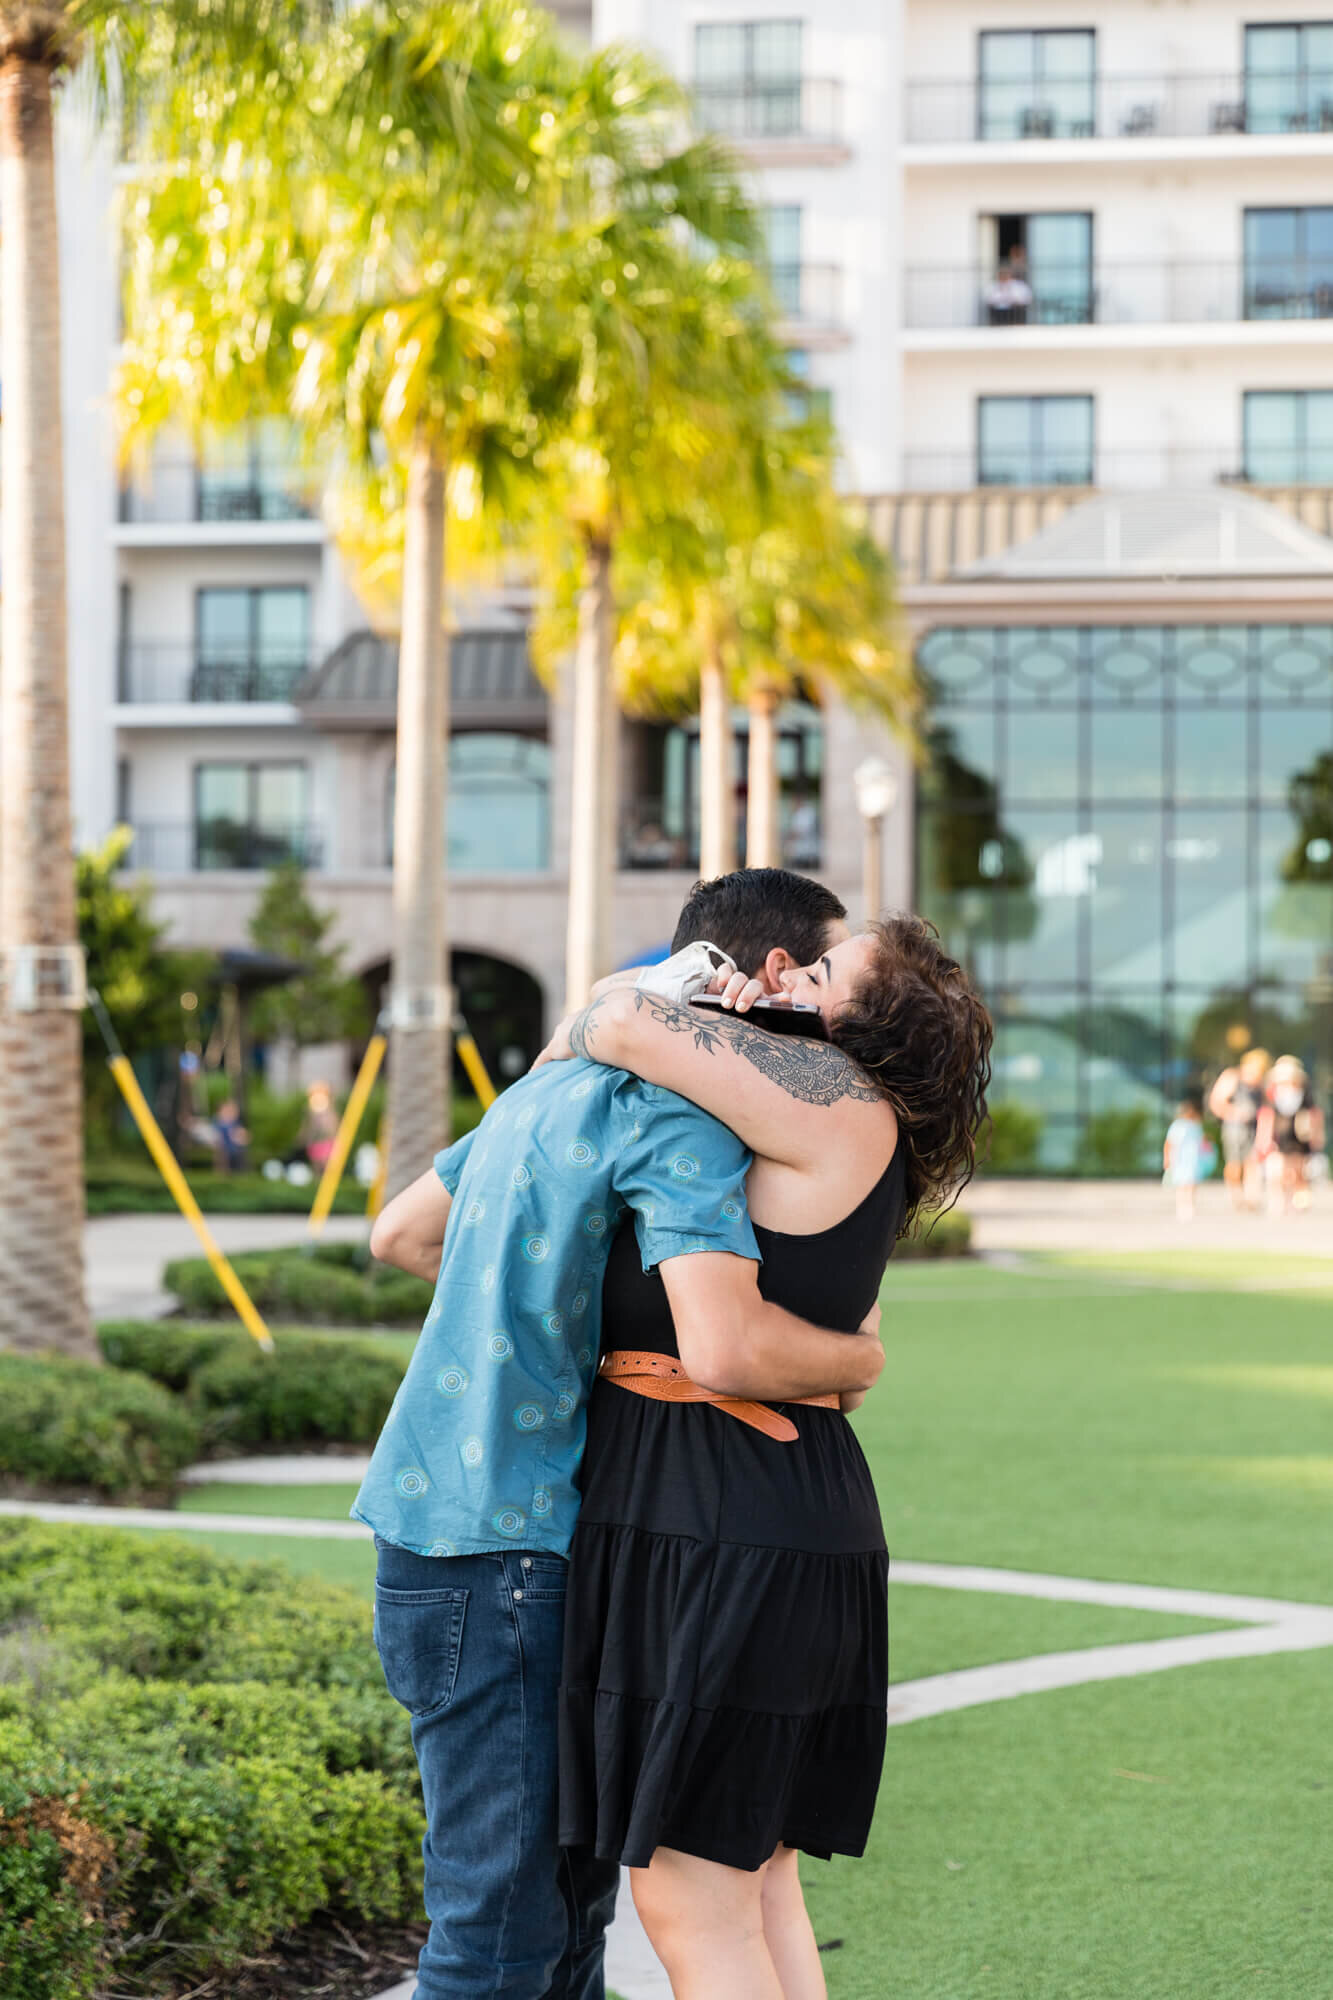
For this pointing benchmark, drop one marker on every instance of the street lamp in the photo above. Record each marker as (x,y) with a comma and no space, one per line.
(876,796)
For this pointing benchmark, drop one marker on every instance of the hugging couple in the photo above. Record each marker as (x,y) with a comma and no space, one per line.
(632,1578)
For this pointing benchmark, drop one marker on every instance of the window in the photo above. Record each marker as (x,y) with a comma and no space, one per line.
(1289,436)
(1035,441)
(1289,78)
(1289,263)
(1127,834)
(1039,269)
(498,805)
(247,475)
(1040,85)
(805,399)
(660,822)
(251,816)
(252,645)
(782,238)
(748,78)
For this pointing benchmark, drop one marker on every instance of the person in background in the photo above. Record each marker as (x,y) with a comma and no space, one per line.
(1184,1157)
(1007,297)
(1236,1100)
(320,1128)
(232,1137)
(1291,1128)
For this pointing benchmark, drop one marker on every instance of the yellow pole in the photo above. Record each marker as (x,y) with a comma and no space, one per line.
(331,1178)
(470,1057)
(375,1197)
(169,1168)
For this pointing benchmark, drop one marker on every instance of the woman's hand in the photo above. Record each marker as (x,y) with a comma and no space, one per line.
(852,1399)
(558,1049)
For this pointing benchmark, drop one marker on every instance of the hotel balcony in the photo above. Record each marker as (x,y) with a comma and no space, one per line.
(1142,109)
(181,501)
(170,674)
(789,121)
(1067,300)
(1122,469)
(209,846)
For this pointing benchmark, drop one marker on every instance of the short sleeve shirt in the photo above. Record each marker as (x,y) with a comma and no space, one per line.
(482,1447)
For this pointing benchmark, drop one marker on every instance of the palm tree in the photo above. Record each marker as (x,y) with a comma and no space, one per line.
(659,324)
(140,42)
(386,249)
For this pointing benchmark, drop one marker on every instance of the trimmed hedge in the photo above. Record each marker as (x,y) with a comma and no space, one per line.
(64,1423)
(949,1235)
(305,1392)
(196,1756)
(336,1284)
(135,1187)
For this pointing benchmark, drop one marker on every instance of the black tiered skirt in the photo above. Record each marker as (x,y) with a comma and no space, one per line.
(726,1638)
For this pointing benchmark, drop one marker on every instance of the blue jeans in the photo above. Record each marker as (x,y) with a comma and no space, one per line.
(470,1646)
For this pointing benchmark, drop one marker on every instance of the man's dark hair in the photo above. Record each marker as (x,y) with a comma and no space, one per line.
(750,911)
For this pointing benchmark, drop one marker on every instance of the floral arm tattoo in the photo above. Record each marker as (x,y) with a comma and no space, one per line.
(809,1071)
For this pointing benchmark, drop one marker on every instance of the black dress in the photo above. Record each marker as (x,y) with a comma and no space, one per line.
(726,1636)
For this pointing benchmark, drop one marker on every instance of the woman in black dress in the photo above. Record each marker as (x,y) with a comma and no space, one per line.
(726,1652)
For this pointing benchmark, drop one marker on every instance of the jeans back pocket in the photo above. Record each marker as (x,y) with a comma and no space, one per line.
(419,1638)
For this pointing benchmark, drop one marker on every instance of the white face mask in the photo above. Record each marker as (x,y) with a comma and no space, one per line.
(1288,1098)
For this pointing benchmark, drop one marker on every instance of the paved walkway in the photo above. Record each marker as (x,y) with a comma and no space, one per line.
(1134,1215)
(126,1253)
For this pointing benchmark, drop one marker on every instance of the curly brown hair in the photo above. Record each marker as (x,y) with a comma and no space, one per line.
(923,1036)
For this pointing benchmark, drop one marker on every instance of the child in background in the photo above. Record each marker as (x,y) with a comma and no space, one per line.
(1184,1157)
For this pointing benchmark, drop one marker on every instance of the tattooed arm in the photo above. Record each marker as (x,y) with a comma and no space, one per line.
(783,1095)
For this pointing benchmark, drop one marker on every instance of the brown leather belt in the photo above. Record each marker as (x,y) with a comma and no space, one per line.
(662,1378)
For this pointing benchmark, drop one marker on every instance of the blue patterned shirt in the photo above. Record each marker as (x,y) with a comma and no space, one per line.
(481,1449)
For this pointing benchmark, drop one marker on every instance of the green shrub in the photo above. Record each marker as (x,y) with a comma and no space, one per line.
(232,1770)
(64,1423)
(306,1391)
(949,1235)
(330,1284)
(133,1186)
(1120,1143)
(1015,1139)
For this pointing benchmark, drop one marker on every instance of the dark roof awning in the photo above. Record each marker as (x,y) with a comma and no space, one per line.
(493,685)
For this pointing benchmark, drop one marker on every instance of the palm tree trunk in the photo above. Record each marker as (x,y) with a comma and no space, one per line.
(421,997)
(763,838)
(592,829)
(42,1302)
(717,802)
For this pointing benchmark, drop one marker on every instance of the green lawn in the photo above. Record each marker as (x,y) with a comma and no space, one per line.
(1164,1838)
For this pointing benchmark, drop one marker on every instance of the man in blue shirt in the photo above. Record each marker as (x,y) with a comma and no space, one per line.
(472,1490)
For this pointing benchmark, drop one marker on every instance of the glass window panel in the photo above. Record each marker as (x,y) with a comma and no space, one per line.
(955,849)
(1070,55)
(1296,661)
(1060,268)
(719,54)
(776,51)
(224,625)
(1065,434)
(1125,1060)
(1126,898)
(280,796)
(223,792)
(1042,756)
(1296,886)
(1055,862)
(1211,662)
(1035,1065)
(1207,852)
(1212,757)
(963,755)
(1126,665)
(1272,78)
(1291,742)
(499,804)
(1008,57)
(1042,665)
(1127,753)
(282,621)
(958,663)
(1273,435)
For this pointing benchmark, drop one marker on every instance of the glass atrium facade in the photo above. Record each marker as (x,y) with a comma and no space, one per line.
(1127,835)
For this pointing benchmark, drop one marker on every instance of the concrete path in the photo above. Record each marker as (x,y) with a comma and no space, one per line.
(125,1253)
(1134,1216)
(294,1469)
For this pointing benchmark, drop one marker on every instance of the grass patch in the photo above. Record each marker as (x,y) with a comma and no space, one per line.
(350,1565)
(1122,1841)
(939,1631)
(298,1503)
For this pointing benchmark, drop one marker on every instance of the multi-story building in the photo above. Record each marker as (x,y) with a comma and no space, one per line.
(1065,280)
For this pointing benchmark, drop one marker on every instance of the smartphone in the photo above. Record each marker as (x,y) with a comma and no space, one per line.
(780,1017)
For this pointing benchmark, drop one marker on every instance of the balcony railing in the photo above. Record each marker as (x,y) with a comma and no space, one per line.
(187,671)
(180,490)
(1121,468)
(645,842)
(805,109)
(169,847)
(1165,106)
(940,297)
(808,295)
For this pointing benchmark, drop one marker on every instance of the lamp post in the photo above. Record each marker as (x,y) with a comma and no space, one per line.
(876,796)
